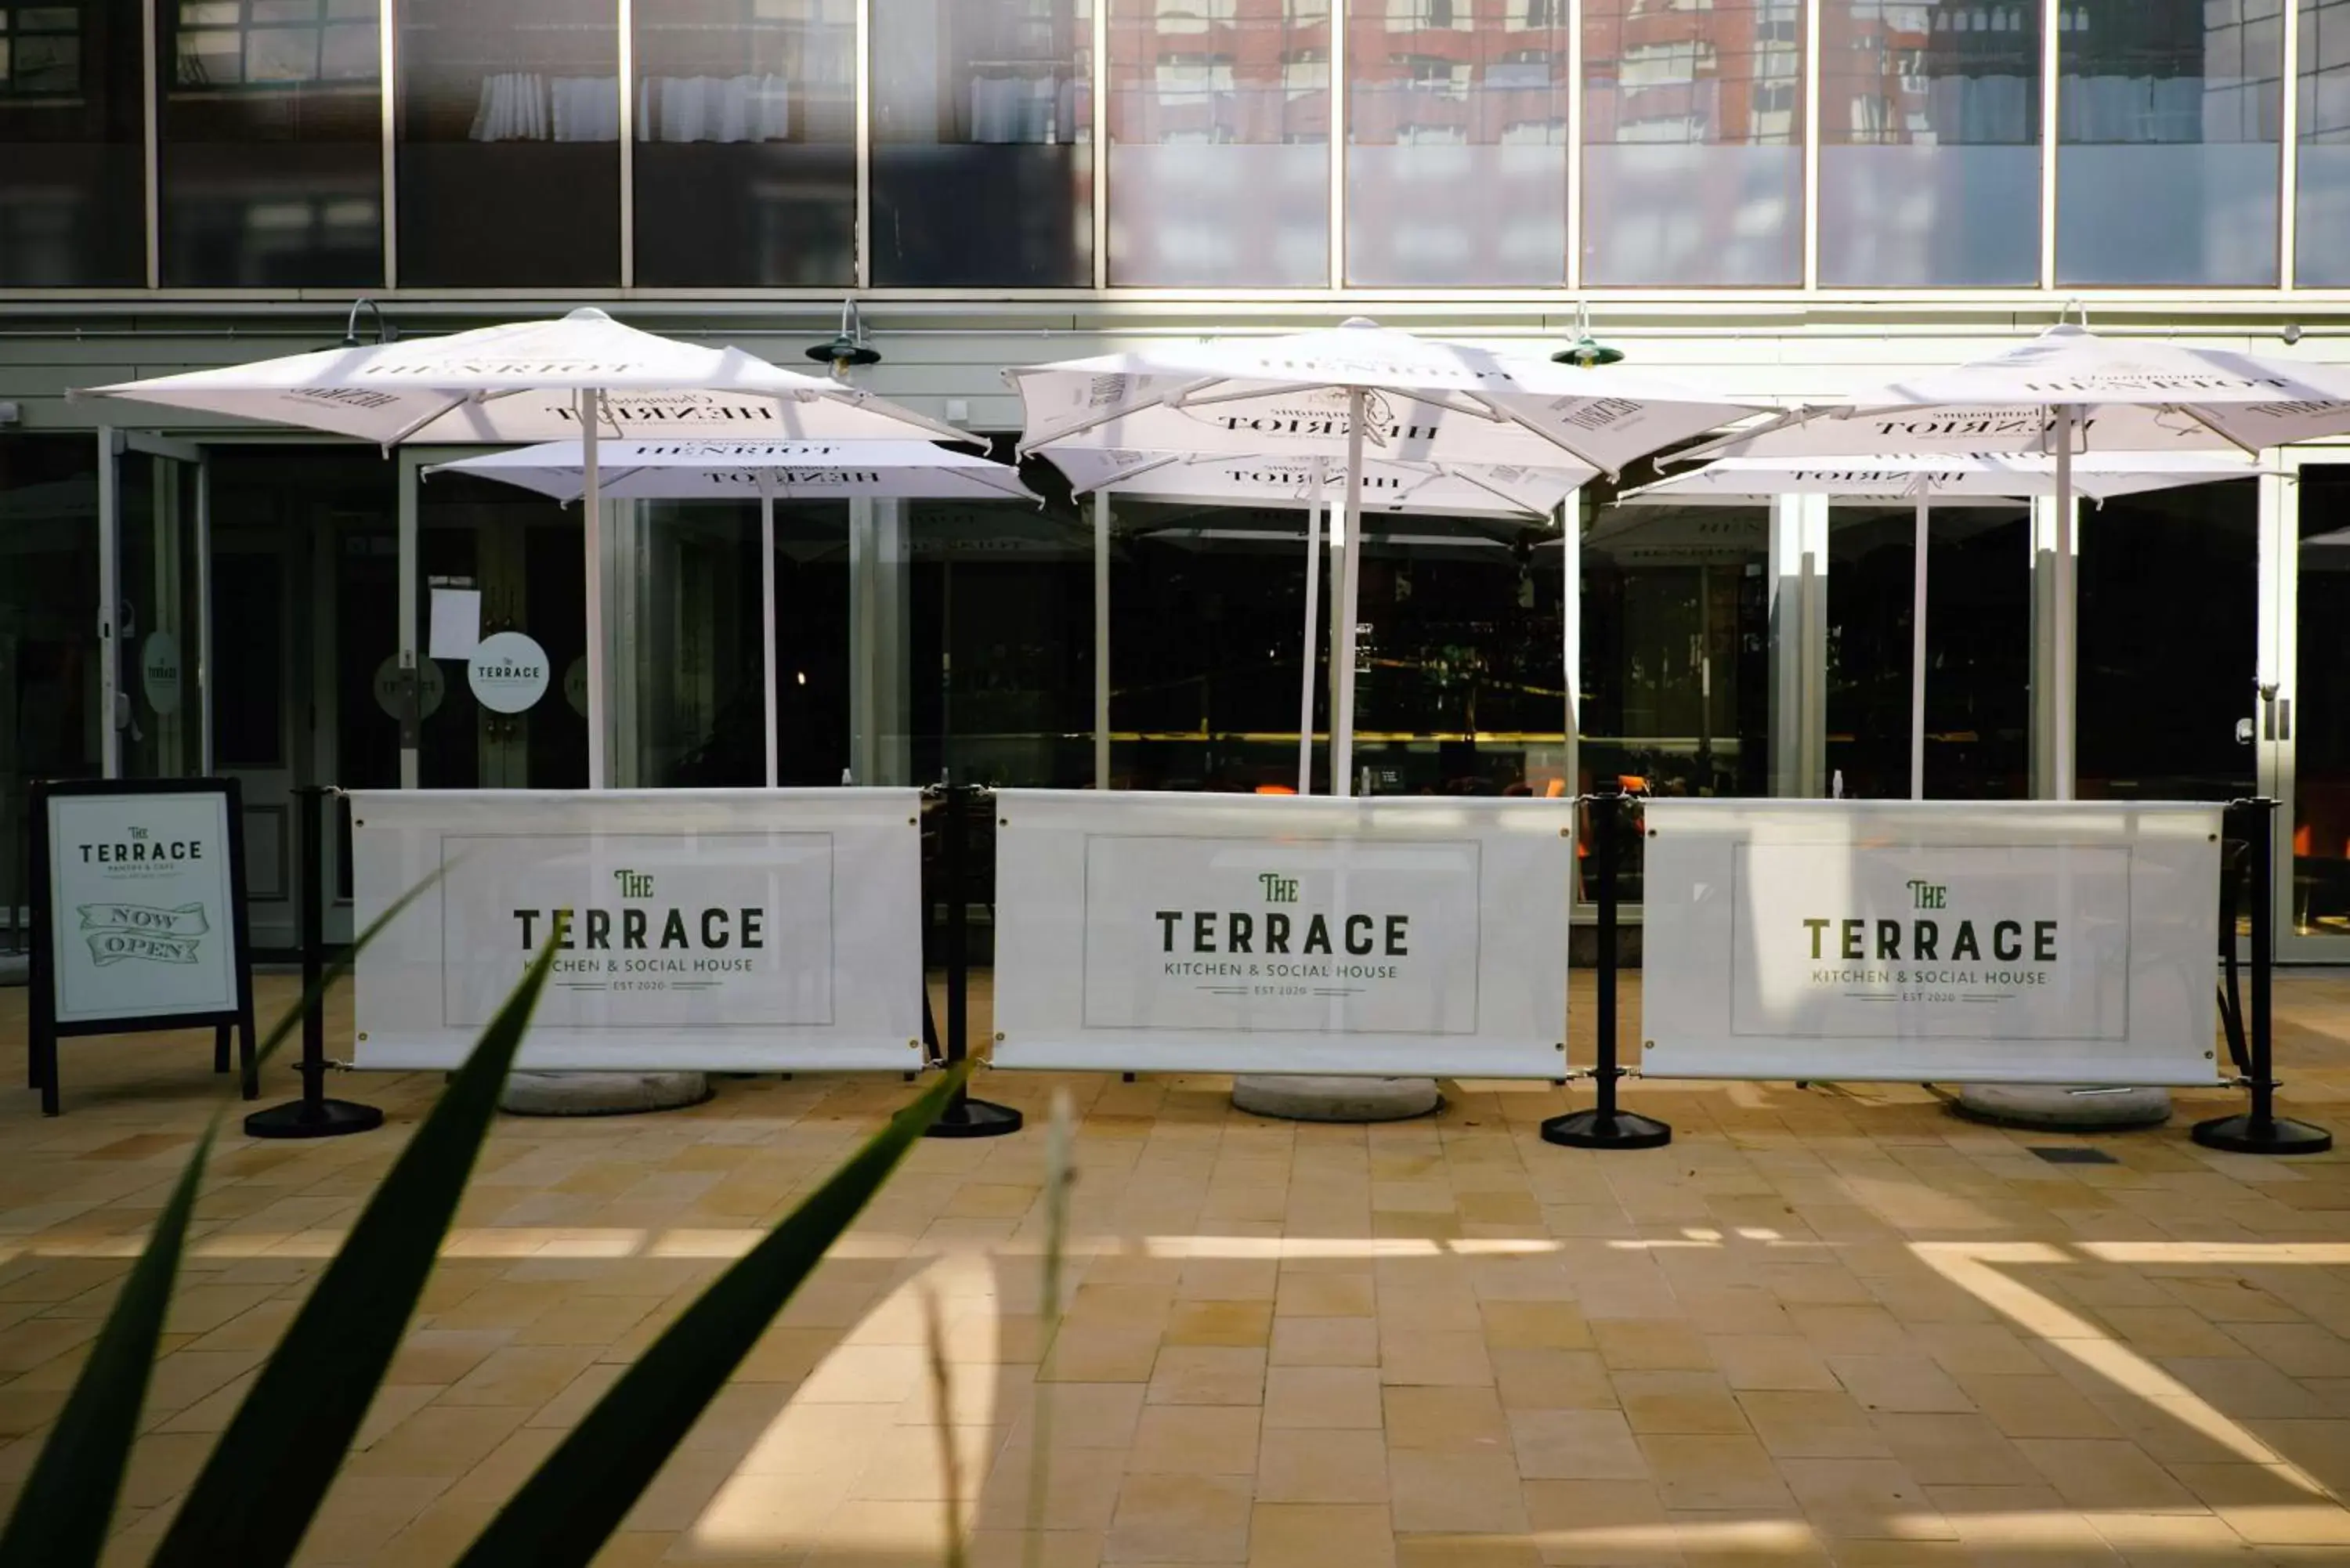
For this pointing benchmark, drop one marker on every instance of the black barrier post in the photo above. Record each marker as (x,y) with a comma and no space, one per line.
(964,1116)
(1603,1126)
(2259,1130)
(314,1115)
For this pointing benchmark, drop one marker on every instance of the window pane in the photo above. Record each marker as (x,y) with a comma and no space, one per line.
(746,142)
(509,131)
(1210,98)
(1978,652)
(2322,218)
(1693,168)
(1929,143)
(2158,710)
(72,133)
(2166,167)
(272,155)
(1456,160)
(983,126)
(1675,687)
(48,637)
(697,653)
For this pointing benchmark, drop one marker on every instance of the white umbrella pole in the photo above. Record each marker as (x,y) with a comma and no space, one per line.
(1342,722)
(1313,625)
(2061,672)
(592,520)
(1917,656)
(767,620)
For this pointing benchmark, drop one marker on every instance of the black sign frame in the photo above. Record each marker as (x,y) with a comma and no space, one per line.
(44,1031)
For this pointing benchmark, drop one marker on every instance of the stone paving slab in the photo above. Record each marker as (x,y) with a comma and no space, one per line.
(1834,1325)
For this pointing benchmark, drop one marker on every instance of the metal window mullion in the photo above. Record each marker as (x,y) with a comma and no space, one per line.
(2289,149)
(2051,12)
(1811,144)
(205,615)
(151,73)
(110,596)
(388,105)
(864,74)
(624,80)
(1100,99)
(1101,638)
(1338,90)
(1574,146)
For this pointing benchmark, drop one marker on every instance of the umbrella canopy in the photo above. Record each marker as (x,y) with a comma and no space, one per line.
(2067,393)
(1354,393)
(749,470)
(1925,479)
(1467,490)
(742,470)
(582,377)
(519,382)
(1941,478)
(1422,401)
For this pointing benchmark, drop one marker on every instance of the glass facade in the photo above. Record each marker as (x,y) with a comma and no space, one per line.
(2322,158)
(509,143)
(2169,120)
(1693,142)
(270,158)
(1208,98)
(749,146)
(1930,144)
(746,142)
(1456,143)
(983,143)
(72,129)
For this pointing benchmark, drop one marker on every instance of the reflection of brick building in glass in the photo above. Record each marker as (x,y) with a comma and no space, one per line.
(1724,75)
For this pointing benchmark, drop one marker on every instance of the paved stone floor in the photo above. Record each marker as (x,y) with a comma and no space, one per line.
(1832,1325)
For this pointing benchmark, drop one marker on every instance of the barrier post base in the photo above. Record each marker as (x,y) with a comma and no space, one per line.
(2248,1134)
(1606,1130)
(975,1118)
(299,1118)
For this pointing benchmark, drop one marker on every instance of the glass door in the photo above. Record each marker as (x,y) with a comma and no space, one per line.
(154,560)
(501,695)
(2301,711)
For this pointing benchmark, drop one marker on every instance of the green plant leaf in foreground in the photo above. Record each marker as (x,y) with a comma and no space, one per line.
(342,965)
(264,1483)
(564,1513)
(61,1517)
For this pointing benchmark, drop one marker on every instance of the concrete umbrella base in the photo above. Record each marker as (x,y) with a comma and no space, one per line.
(601,1094)
(2064,1108)
(1307,1098)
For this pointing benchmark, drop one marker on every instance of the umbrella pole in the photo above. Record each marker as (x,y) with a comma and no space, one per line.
(2060,671)
(1313,624)
(1917,656)
(767,620)
(592,521)
(1342,722)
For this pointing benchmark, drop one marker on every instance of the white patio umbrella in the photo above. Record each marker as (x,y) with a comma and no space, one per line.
(1333,394)
(1924,480)
(2066,394)
(771,470)
(583,377)
(1467,490)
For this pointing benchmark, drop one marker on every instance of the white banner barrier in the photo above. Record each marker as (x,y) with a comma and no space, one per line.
(730,931)
(1979,942)
(1150,932)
